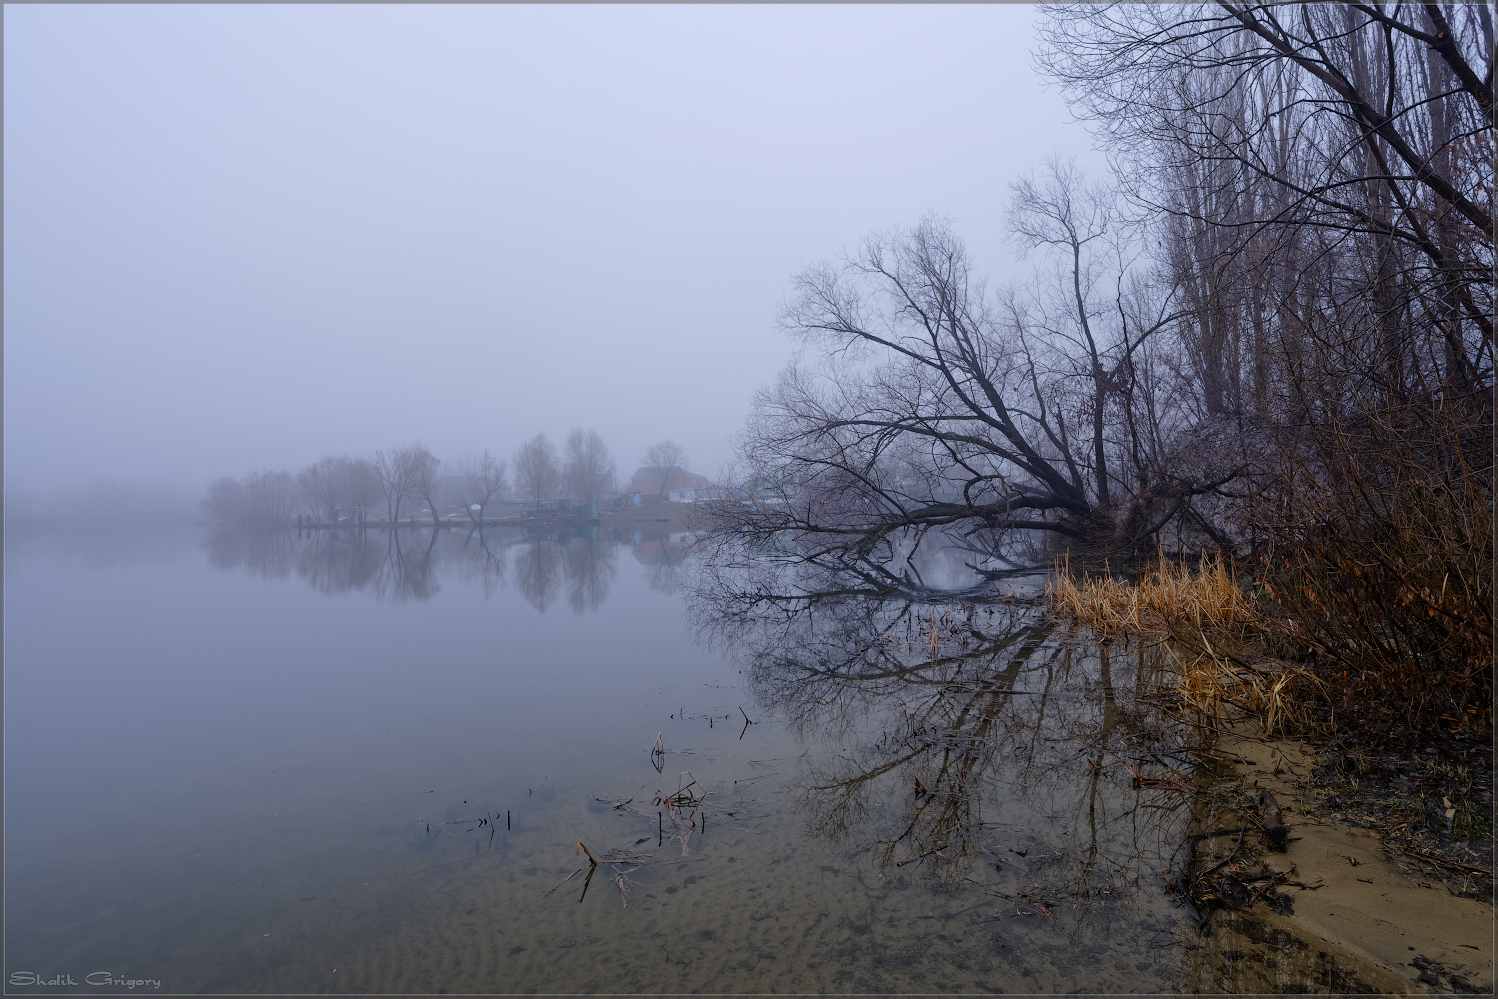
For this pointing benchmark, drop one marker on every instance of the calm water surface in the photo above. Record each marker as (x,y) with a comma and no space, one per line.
(250,763)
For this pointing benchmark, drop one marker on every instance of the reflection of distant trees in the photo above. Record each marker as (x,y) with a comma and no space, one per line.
(590,570)
(338,561)
(267,553)
(409,563)
(409,568)
(484,558)
(663,556)
(538,571)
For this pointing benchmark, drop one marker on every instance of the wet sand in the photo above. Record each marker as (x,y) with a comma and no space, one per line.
(1404,928)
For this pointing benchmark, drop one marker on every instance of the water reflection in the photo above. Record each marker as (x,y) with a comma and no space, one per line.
(978,749)
(411,564)
(664,557)
(538,571)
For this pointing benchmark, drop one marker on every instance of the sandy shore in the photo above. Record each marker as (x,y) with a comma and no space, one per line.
(671,517)
(1364,917)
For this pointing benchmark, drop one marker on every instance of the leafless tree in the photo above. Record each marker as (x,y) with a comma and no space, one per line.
(671,458)
(401,473)
(1088,319)
(484,478)
(336,486)
(934,406)
(536,473)
(588,468)
(425,469)
(361,487)
(1308,135)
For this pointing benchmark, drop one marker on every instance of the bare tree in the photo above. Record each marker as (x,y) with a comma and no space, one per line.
(324,486)
(934,407)
(483,479)
(403,472)
(361,487)
(588,467)
(425,468)
(1372,127)
(390,470)
(536,474)
(670,458)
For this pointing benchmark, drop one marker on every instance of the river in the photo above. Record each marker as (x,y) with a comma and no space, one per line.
(243,762)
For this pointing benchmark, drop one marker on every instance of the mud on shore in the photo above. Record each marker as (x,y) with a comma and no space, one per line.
(1373,898)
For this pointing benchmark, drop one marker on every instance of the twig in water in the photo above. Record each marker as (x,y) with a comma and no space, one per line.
(565,880)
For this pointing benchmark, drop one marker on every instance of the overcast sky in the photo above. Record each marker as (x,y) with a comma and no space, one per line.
(244,237)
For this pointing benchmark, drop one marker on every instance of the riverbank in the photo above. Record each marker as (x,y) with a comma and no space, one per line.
(1349,905)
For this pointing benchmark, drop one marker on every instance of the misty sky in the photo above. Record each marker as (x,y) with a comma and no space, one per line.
(245,237)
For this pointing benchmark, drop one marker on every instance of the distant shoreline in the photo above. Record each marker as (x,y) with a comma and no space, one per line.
(655,516)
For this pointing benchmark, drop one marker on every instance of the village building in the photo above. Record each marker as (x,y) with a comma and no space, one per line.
(653,482)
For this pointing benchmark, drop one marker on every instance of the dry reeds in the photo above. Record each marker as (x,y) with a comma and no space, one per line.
(1205,613)
(1167,597)
(1280,696)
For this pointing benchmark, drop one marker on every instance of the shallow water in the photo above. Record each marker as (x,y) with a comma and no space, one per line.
(252,763)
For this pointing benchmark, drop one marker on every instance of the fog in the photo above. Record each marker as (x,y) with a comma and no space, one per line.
(246,237)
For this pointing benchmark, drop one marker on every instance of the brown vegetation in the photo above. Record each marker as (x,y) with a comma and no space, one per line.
(1295,665)
(1268,336)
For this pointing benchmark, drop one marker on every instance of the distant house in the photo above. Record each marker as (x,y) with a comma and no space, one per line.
(698,494)
(656,480)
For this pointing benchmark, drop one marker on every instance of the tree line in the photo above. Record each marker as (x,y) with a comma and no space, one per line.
(400,481)
(1267,332)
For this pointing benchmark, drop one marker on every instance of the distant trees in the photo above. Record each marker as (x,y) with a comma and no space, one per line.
(588,468)
(484,478)
(425,470)
(671,458)
(225,499)
(340,488)
(402,473)
(321,486)
(536,472)
(261,498)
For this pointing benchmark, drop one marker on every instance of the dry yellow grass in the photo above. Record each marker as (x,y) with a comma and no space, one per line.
(1204,613)
(1165,598)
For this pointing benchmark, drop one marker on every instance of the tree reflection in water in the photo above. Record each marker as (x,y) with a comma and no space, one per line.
(974,746)
(589,566)
(409,564)
(664,558)
(538,564)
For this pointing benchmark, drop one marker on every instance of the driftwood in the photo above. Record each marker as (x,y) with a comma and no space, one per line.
(1275,831)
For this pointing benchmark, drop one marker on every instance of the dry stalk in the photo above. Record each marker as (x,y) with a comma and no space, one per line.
(1205,612)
